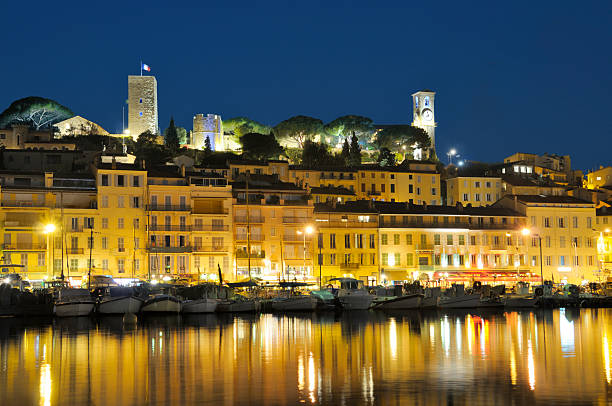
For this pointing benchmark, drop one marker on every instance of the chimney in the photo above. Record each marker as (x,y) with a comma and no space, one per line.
(114,163)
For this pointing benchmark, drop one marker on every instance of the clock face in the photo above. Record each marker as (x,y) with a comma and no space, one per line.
(427,115)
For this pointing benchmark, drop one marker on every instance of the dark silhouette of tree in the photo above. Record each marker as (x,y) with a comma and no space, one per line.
(354,152)
(207,147)
(147,149)
(240,126)
(317,154)
(346,126)
(400,138)
(260,146)
(386,157)
(171,137)
(346,152)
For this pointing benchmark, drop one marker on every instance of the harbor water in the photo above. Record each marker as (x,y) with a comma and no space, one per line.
(560,356)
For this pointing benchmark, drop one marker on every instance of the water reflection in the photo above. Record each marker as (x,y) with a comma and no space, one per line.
(458,357)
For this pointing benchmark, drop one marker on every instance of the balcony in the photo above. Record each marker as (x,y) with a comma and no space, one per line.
(170,249)
(451,224)
(24,247)
(373,193)
(346,224)
(295,220)
(254,255)
(75,251)
(254,237)
(251,220)
(211,248)
(211,227)
(295,202)
(424,247)
(24,203)
(168,227)
(168,207)
(498,247)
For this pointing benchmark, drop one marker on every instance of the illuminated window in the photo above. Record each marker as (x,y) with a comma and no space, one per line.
(426,101)
(140,113)
(140,101)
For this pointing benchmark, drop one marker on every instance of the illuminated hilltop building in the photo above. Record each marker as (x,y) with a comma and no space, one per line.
(211,126)
(423,110)
(142,105)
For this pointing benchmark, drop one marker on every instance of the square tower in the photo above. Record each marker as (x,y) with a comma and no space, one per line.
(142,105)
(423,110)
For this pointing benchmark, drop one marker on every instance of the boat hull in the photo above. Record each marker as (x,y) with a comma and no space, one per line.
(120,305)
(73,309)
(239,307)
(200,306)
(355,302)
(409,302)
(162,305)
(521,301)
(461,302)
(295,304)
(430,302)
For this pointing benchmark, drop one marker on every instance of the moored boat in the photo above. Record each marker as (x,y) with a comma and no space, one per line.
(161,303)
(300,303)
(352,294)
(200,306)
(407,302)
(239,305)
(72,302)
(119,300)
(459,302)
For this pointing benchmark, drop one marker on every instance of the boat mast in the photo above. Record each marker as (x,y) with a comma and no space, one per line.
(248,225)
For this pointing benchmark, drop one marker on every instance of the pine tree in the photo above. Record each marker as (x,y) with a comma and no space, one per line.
(207,148)
(355,151)
(171,138)
(346,152)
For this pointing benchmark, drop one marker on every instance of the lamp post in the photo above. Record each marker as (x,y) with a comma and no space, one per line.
(48,230)
(450,155)
(527,232)
(307,230)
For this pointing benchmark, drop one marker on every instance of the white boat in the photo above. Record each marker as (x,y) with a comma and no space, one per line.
(460,302)
(73,302)
(161,303)
(200,306)
(304,303)
(119,300)
(352,294)
(407,302)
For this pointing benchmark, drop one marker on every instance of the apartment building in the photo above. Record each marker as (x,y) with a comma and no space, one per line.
(564,226)
(603,230)
(474,190)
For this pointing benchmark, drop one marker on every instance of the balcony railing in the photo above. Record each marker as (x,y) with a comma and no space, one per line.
(22,203)
(450,224)
(75,251)
(24,247)
(169,227)
(211,227)
(168,207)
(211,248)
(424,247)
(251,219)
(295,220)
(254,254)
(351,265)
(346,224)
(170,249)
(374,193)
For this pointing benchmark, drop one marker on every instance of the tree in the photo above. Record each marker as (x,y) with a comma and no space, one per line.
(37,112)
(260,146)
(296,130)
(317,154)
(207,147)
(182,135)
(171,137)
(346,126)
(386,157)
(240,126)
(147,149)
(354,152)
(346,152)
(402,138)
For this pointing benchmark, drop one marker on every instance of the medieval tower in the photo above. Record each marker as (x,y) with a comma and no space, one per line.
(142,105)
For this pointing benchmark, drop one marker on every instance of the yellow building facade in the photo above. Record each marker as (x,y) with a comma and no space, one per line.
(474,190)
(603,230)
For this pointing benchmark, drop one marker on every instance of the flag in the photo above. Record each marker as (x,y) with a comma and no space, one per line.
(146,67)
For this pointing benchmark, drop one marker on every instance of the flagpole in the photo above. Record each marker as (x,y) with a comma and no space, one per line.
(141,67)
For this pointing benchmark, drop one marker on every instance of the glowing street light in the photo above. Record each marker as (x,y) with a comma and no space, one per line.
(49,229)
(307,230)
(451,154)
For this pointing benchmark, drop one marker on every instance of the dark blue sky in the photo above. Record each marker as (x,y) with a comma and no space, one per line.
(523,76)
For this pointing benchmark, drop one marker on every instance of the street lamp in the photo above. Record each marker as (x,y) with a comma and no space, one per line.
(307,230)
(527,232)
(49,229)
(451,154)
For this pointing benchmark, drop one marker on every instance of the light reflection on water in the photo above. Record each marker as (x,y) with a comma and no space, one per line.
(545,357)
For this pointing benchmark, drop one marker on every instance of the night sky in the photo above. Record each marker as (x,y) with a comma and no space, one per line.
(510,76)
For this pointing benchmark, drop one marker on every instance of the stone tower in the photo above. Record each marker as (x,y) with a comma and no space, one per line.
(142,105)
(423,108)
(209,125)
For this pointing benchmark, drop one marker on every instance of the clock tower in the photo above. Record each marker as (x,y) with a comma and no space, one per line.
(423,109)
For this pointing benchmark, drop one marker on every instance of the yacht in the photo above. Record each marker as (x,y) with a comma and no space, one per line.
(352,294)
(239,304)
(407,302)
(295,303)
(455,298)
(522,297)
(204,305)
(73,302)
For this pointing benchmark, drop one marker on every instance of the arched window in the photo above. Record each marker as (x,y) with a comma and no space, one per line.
(426,101)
